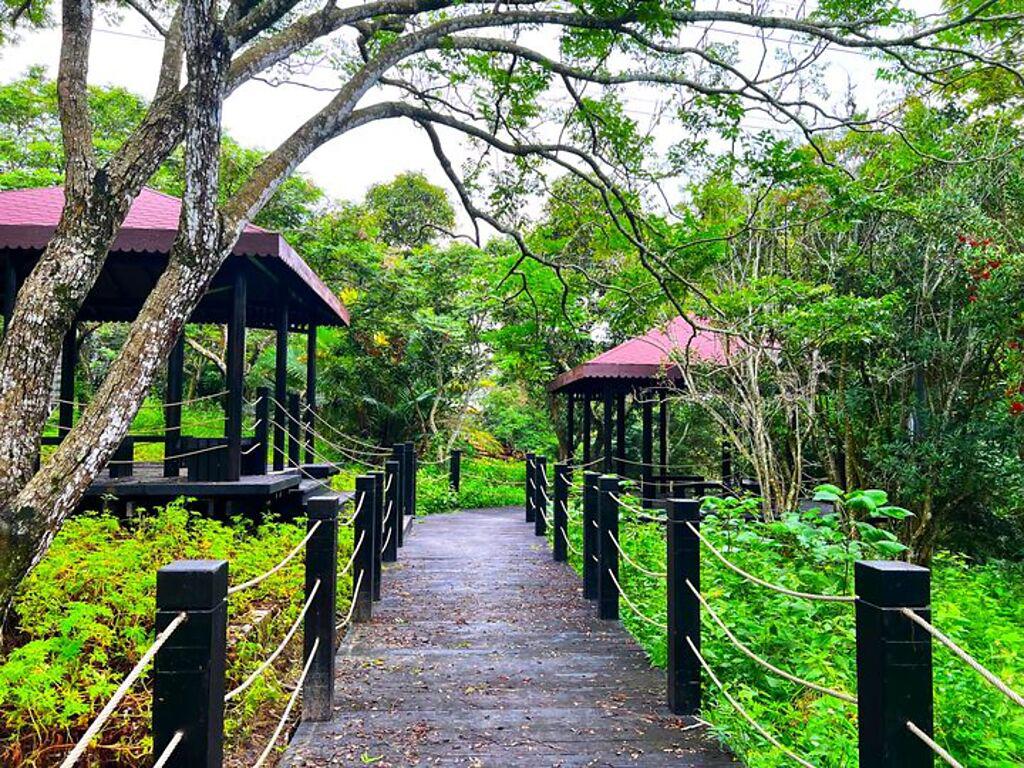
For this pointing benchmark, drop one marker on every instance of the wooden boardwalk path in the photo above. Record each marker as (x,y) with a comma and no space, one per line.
(483,652)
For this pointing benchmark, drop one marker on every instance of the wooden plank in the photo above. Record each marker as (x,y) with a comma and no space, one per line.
(483,652)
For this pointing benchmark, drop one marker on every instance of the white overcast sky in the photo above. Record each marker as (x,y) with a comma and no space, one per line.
(260,115)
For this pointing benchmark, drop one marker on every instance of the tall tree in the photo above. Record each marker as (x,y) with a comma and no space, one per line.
(451,67)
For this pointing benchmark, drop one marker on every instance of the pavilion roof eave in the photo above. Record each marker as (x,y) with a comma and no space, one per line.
(595,377)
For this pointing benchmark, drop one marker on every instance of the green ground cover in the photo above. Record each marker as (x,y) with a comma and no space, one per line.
(85,616)
(981,606)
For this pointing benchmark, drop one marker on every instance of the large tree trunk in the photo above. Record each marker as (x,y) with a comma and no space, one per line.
(29,522)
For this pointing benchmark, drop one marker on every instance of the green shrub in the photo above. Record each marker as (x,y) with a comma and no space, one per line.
(982,607)
(513,419)
(484,483)
(85,616)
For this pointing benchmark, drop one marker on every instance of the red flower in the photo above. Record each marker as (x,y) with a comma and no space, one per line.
(1013,344)
(1016,407)
(972,298)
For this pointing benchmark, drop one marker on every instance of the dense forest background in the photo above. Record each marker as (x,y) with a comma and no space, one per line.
(888,309)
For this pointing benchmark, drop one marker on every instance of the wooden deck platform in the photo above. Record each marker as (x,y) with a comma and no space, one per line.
(484,653)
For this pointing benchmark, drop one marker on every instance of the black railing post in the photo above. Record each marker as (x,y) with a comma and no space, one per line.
(393,526)
(188,671)
(590,534)
(294,431)
(540,498)
(894,664)
(531,486)
(607,553)
(683,565)
(261,432)
(410,479)
(398,455)
(560,511)
(455,470)
(378,530)
(318,627)
(362,537)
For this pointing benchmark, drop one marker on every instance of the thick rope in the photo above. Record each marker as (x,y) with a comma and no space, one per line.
(377,450)
(291,703)
(964,656)
(352,603)
(743,713)
(287,559)
(169,749)
(277,651)
(387,540)
(632,606)
(568,543)
(763,662)
(635,565)
(97,725)
(355,551)
(762,582)
(947,758)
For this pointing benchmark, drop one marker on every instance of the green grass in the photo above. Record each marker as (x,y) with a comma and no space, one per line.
(980,606)
(85,616)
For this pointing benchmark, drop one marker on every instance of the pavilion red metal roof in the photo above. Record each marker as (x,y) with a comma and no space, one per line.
(651,358)
(28,218)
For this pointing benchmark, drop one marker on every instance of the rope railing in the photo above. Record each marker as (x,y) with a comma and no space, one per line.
(745,650)
(355,553)
(632,606)
(933,745)
(375,449)
(136,672)
(287,559)
(288,708)
(265,664)
(965,657)
(187,401)
(352,603)
(761,582)
(316,453)
(168,752)
(632,563)
(743,712)
(568,543)
(387,540)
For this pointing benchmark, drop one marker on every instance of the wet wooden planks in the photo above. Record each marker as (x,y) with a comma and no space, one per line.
(484,653)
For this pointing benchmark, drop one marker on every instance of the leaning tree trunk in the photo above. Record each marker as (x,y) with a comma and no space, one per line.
(29,522)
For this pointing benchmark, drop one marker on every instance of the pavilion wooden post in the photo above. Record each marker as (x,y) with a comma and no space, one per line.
(310,391)
(646,449)
(10,290)
(620,432)
(236,376)
(172,406)
(281,383)
(262,428)
(607,414)
(68,363)
(294,430)
(587,427)
(570,425)
(663,434)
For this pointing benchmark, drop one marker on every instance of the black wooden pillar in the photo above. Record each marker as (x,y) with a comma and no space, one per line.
(10,291)
(894,664)
(587,428)
(310,391)
(392,511)
(683,565)
(321,566)
(173,393)
(570,425)
(590,534)
(281,383)
(188,671)
(560,511)
(261,432)
(663,433)
(607,552)
(646,449)
(378,531)
(294,430)
(620,433)
(410,479)
(455,470)
(398,455)
(531,486)
(607,416)
(540,497)
(362,537)
(68,363)
(236,375)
